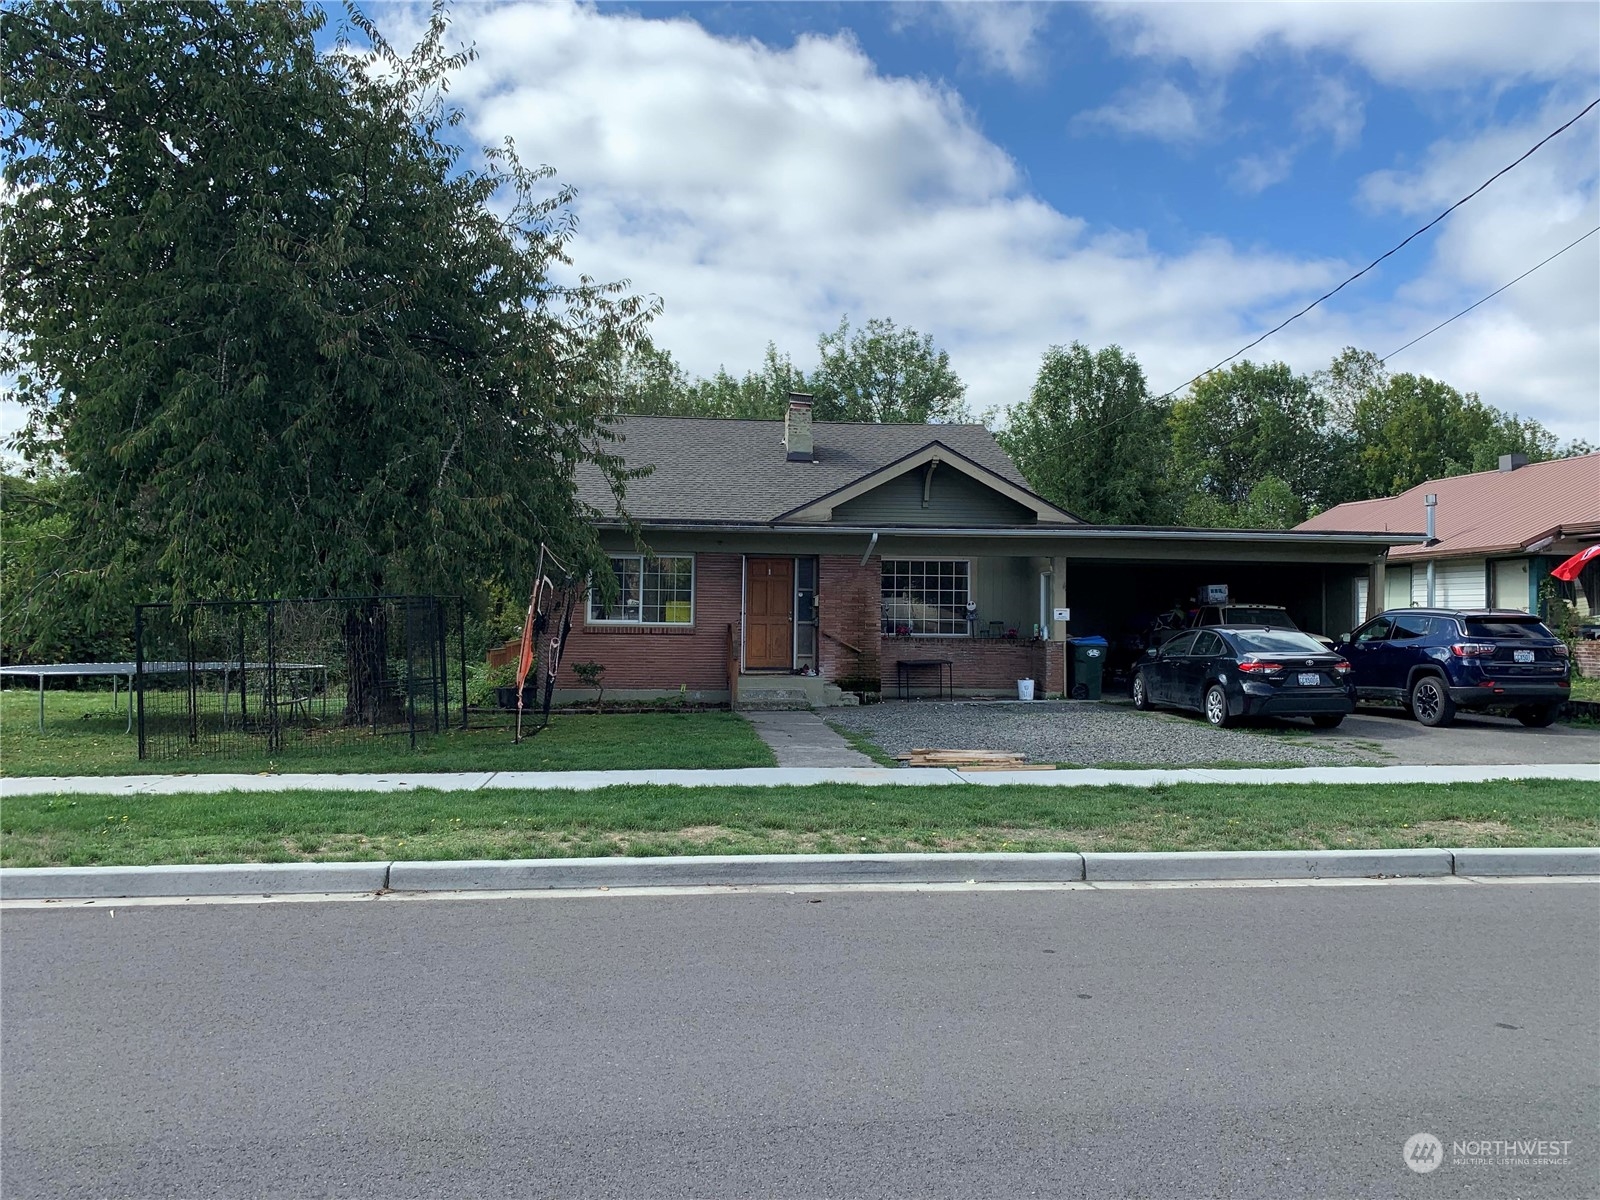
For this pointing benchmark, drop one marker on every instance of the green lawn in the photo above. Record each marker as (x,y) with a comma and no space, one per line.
(84,736)
(1584,688)
(266,827)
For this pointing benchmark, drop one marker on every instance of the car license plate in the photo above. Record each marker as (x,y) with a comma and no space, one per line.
(1522,655)
(1309,679)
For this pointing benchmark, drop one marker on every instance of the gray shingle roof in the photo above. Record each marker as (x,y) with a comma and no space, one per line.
(714,469)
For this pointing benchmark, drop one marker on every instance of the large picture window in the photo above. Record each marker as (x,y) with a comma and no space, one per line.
(926,596)
(650,591)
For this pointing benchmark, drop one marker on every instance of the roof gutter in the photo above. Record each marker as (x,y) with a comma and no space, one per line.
(1045,532)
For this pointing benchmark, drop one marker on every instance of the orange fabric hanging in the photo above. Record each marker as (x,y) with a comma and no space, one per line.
(525,659)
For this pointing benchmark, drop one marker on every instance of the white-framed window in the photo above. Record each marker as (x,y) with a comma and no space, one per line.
(650,591)
(926,596)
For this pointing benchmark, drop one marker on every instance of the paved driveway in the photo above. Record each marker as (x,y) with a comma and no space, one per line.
(1473,739)
(1091,734)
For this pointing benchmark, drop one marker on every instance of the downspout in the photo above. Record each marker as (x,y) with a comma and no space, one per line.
(1431,502)
(868,553)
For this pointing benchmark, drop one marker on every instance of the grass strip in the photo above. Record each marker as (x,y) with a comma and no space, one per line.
(653,820)
(84,736)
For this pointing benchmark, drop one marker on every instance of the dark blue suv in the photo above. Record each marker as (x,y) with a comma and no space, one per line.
(1437,660)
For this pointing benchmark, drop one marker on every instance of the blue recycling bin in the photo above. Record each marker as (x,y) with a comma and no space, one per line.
(1088,666)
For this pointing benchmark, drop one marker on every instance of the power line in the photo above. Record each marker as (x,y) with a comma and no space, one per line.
(1326,295)
(1491,295)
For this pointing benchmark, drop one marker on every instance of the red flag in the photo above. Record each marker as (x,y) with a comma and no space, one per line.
(525,659)
(1573,567)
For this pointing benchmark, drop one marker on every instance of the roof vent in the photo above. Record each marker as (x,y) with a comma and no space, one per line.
(1510,462)
(797,428)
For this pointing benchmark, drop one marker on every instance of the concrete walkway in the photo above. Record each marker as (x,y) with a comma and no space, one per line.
(803,739)
(150,785)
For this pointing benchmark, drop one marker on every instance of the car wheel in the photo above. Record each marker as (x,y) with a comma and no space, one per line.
(1430,702)
(1216,708)
(1328,720)
(1538,716)
(1141,698)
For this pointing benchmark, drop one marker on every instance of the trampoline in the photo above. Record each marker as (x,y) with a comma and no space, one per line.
(126,670)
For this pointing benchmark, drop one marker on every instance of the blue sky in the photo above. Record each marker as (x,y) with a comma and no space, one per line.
(1172,177)
(1175,178)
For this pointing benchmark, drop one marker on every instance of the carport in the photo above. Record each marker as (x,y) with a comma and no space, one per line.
(1117,581)
(1114,580)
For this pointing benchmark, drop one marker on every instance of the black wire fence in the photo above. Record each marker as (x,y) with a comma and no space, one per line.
(236,678)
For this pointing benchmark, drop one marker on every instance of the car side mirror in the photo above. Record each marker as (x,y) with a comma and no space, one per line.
(1343,637)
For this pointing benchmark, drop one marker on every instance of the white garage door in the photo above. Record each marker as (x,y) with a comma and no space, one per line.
(1460,583)
(1510,583)
(1397,587)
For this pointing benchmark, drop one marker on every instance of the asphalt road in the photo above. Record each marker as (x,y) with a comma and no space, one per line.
(1215,1042)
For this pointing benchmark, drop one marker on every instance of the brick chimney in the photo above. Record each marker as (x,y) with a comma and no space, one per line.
(1510,462)
(797,428)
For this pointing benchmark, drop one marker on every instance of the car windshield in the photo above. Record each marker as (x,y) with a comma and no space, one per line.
(1508,629)
(1276,641)
(1273,618)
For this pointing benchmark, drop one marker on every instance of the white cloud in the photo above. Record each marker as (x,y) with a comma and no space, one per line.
(1161,110)
(1002,36)
(1536,347)
(1432,44)
(1255,173)
(764,191)
(1334,108)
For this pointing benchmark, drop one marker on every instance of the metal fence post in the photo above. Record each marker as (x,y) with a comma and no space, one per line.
(461,643)
(270,700)
(138,669)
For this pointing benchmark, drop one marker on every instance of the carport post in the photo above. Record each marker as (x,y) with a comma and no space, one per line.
(1377,584)
(1058,629)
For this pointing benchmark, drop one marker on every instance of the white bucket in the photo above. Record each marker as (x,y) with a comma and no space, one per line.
(1024,689)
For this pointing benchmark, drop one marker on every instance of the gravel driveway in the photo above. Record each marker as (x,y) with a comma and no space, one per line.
(1090,734)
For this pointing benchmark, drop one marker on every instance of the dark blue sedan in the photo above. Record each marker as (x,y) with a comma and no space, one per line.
(1226,672)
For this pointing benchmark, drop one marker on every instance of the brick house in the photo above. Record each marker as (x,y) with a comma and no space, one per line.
(790,562)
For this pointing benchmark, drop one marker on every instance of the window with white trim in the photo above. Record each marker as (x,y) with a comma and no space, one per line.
(926,596)
(650,591)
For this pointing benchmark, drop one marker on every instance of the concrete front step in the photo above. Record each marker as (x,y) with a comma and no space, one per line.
(782,692)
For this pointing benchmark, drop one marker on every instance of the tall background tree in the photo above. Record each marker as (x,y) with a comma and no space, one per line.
(1242,428)
(1090,437)
(881,372)
(283,335)
(884,373)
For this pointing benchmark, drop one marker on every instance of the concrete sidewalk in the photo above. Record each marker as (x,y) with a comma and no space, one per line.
(151,785)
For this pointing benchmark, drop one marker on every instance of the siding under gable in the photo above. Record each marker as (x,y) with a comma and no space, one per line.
(955,499)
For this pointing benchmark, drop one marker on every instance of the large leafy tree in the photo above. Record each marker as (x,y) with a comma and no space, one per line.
(1241,426)
(882,372)
(286,338)
(1406,429)
(1092,439)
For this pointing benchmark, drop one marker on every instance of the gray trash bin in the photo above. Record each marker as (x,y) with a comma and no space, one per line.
(1088,664)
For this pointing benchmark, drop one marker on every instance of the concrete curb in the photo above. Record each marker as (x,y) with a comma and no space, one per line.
(212,879)
(756,870)
(1551,860)
(1267,864)
(734,870)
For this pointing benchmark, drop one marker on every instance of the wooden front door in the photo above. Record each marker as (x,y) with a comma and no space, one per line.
(769,614)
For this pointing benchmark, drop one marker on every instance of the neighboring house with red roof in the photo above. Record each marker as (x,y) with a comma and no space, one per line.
(1497,534)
